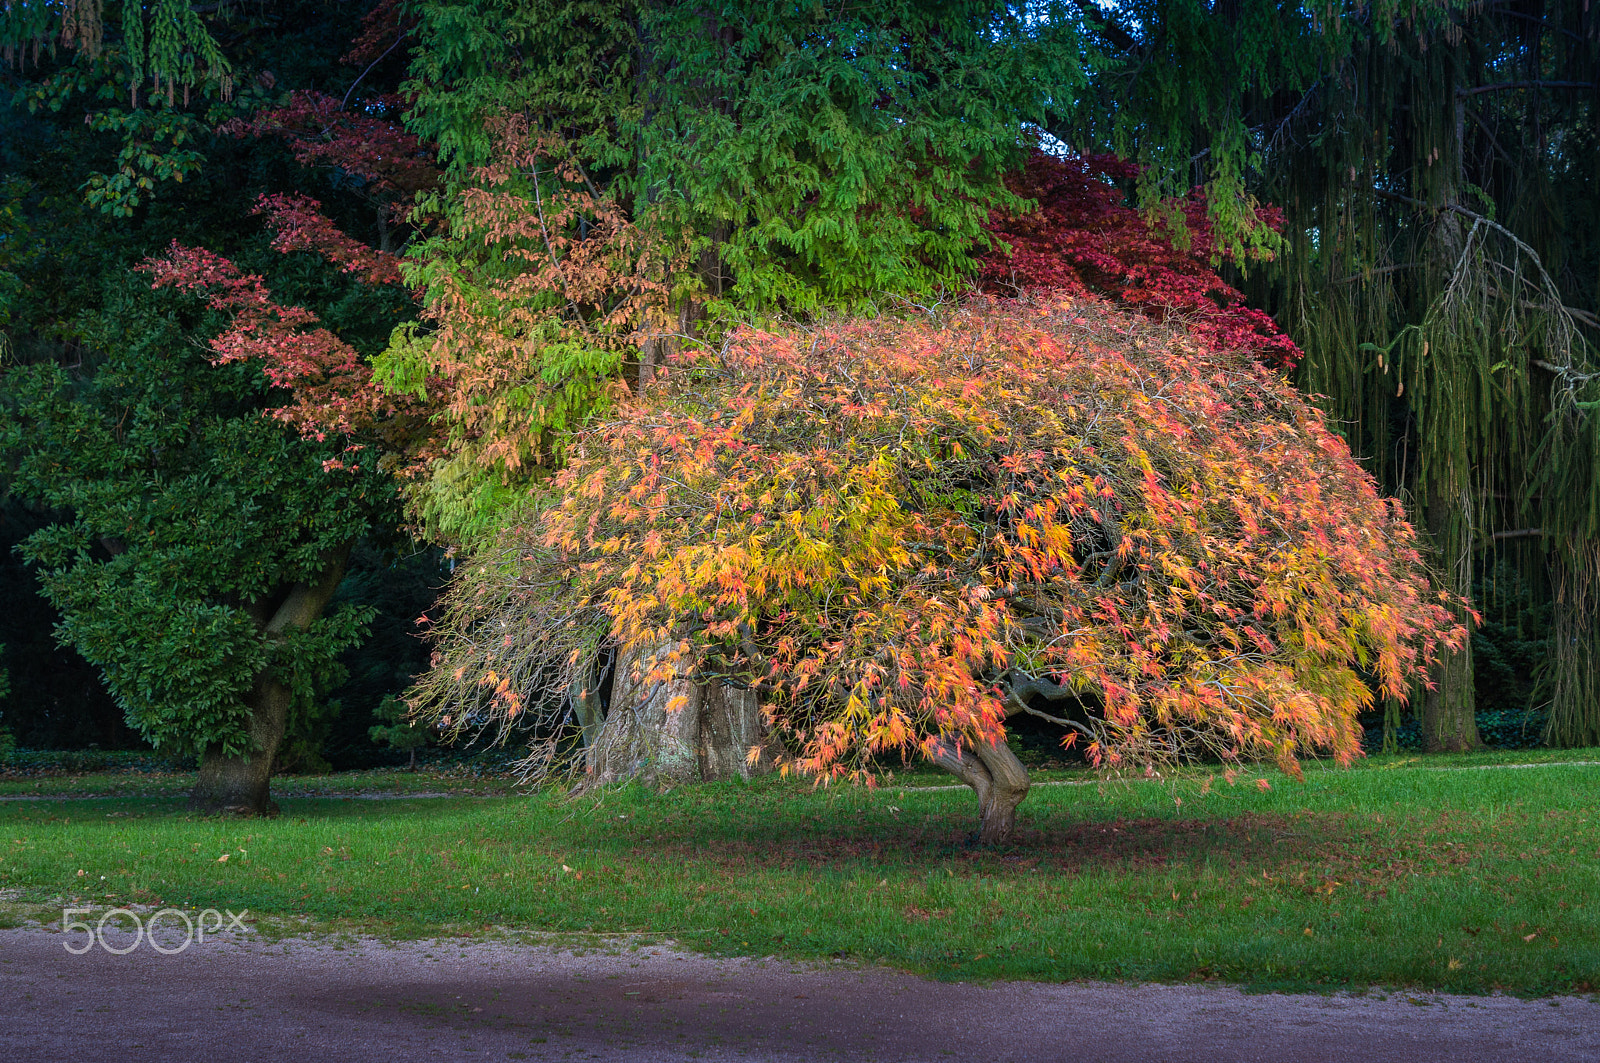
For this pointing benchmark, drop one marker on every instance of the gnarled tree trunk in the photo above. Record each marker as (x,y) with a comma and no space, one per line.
(993,771)
(996,776)
(667,732)
(242,784)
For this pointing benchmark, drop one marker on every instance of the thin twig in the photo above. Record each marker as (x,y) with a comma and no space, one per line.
(405,32)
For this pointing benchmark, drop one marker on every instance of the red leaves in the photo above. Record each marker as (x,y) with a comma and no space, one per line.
(333,390)
(1083,239)
(370,143)
(382,29)
(301,226)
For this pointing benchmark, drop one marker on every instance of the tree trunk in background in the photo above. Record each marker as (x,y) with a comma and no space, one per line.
(670,732)
(996,776)
(242,784)
(1575,699)
(1449,710)
(1449,716)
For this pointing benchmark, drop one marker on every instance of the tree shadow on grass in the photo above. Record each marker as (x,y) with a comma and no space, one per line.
(1123,845)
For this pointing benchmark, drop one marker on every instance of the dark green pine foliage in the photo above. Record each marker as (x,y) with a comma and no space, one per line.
(399,733)
(1437,165)
(399,582)
(822,153)
(188,524)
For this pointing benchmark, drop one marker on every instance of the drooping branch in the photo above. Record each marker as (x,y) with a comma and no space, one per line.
(1508,86)
(1519,533)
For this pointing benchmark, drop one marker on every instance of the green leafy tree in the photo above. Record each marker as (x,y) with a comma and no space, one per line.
(199,542)
(624,178)
(111,147)
(815,154)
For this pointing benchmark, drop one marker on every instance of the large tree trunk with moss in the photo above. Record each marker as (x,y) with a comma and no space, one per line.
(666,732)
(241,783)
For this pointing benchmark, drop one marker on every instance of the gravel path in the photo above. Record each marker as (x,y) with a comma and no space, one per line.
(363,1001)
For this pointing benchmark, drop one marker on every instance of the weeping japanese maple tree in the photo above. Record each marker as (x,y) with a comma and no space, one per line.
(894,535)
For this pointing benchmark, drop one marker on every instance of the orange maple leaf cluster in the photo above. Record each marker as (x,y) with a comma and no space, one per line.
(888,526)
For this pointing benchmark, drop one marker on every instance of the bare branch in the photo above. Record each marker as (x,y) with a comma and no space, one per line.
(1100,21)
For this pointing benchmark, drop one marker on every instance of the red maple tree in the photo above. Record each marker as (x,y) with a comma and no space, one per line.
(331,386)
(1084,240)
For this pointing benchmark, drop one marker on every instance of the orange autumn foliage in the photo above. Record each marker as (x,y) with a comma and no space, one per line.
(885,525)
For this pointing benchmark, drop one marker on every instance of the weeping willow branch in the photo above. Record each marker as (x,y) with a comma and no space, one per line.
(1433,321)
(1507,86)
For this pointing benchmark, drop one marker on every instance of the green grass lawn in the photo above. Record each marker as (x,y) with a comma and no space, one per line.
(1393,874)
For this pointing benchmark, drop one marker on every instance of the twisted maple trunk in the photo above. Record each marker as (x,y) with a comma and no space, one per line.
(996,776)
(241,783)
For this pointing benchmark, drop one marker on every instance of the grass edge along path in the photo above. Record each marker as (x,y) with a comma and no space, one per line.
(1392,874)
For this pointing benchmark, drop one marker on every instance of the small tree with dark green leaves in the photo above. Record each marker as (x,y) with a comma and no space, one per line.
(398,732)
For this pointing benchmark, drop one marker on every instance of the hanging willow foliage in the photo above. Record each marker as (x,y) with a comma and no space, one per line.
(1441,339)
(1434,161)
(164,41)
(1438,334)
